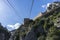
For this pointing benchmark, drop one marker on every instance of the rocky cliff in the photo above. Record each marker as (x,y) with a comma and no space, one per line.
(4,33)
(45,27)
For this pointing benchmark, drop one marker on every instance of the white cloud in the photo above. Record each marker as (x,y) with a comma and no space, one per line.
(12,27)
(46,5)
(43,6)
(17,25)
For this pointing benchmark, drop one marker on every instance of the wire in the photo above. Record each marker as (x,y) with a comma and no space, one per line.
(31,8)
(14,9)
(6,3)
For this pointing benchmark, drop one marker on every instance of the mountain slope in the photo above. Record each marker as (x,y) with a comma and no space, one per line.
(45,27)
(4,34)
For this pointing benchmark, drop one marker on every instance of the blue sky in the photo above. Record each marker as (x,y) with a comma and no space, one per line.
(10,18)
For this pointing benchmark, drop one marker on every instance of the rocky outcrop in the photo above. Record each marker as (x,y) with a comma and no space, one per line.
(46,26)
(34,33)
(4,34)
(53,6)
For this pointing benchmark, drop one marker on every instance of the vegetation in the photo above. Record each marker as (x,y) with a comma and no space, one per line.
(4,31)
(49,23)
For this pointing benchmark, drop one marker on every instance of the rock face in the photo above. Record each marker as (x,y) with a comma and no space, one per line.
(4,34)
(39,15)
(33,34)
(53,6)
(12,35)
(44,27)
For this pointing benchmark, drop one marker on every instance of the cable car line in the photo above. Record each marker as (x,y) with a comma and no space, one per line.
(14,10)
(31,8)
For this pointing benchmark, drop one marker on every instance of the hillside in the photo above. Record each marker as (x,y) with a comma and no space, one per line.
(4,33)
(45,27)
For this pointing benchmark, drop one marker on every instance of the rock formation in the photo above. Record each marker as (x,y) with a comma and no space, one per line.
(4,34)
(46,26)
